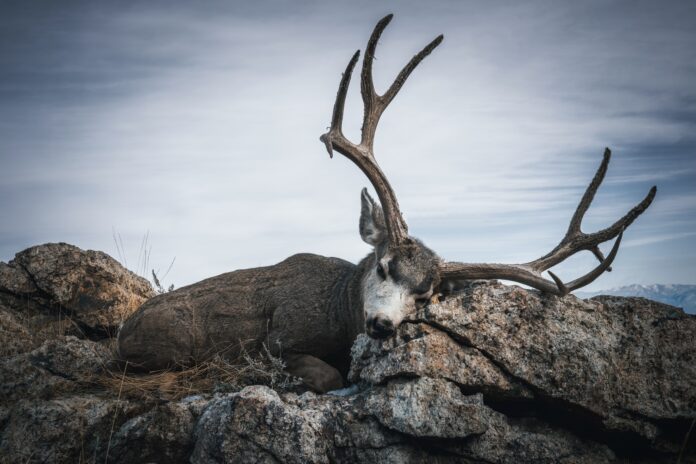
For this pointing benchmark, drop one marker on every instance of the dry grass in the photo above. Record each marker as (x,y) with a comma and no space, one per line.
(215,375)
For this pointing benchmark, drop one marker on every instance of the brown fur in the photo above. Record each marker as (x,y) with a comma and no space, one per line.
(304,305)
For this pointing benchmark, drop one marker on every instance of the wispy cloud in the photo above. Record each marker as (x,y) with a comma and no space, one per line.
(656,239)
(200,124)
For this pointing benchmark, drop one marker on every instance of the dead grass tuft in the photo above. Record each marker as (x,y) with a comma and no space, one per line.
(217,375)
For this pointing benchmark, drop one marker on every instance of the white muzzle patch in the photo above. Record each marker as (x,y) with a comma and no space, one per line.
(385,299)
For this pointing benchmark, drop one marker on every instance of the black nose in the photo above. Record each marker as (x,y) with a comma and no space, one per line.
(380,328)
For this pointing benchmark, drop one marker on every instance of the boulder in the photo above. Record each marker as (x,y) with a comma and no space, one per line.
(423,420)
(89,287)
(629,363)
(15,337)
(161,434)
(75,428)
(58,366)
(423,350)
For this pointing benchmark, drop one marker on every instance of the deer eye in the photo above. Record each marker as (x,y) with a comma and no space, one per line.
(380,271)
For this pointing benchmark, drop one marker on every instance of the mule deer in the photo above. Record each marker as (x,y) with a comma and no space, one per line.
(309,308)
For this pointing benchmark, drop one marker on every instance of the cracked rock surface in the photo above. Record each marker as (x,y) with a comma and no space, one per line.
(89,288)
(494,374)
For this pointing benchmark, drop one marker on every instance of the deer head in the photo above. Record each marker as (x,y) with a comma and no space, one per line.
(405,272)
(399,277)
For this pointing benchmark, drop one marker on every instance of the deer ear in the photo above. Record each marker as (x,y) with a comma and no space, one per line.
(373,229)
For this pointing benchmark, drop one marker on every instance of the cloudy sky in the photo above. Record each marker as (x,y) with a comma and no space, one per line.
(198,122)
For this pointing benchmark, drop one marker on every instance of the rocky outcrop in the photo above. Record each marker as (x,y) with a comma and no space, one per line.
(420,420)
(59,365)
(494,374)
(59,306)
(88,288)
(67,429)
(163,433)
(619,365)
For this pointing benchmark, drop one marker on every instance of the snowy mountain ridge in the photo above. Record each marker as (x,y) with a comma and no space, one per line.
(680,295)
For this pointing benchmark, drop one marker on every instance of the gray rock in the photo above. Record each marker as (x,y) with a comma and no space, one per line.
(418,420)
(629,362)
(71,429)
(14,279)
(428,408)
(422,350)
(162,434)
(59,366)
(97,428)
(15,337)
(256,425)
(90,286)
(26,323)
(516,441)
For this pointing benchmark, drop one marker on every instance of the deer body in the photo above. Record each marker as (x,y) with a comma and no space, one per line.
(308,308)
(300,306)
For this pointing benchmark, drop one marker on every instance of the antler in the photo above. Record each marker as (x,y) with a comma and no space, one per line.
(574,241)
(374,105)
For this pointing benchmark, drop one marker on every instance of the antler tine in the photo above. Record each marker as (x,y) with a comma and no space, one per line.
(336,129)
(408,69)
(596,272)
(573,242)
(367,85)
(576,221)
(374,105)
(586,201)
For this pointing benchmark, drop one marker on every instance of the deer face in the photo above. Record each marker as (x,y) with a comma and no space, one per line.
(400,278)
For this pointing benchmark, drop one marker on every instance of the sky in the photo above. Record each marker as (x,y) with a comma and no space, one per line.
(191,129)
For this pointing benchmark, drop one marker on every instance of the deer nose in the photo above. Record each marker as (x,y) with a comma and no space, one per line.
(379,327)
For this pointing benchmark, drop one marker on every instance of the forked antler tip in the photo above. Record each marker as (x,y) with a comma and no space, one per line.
(599,270)
(564,289)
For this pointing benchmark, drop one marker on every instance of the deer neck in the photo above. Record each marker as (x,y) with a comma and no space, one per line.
(353,304)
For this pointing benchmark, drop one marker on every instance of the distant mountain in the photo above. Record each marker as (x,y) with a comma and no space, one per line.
(682,296)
